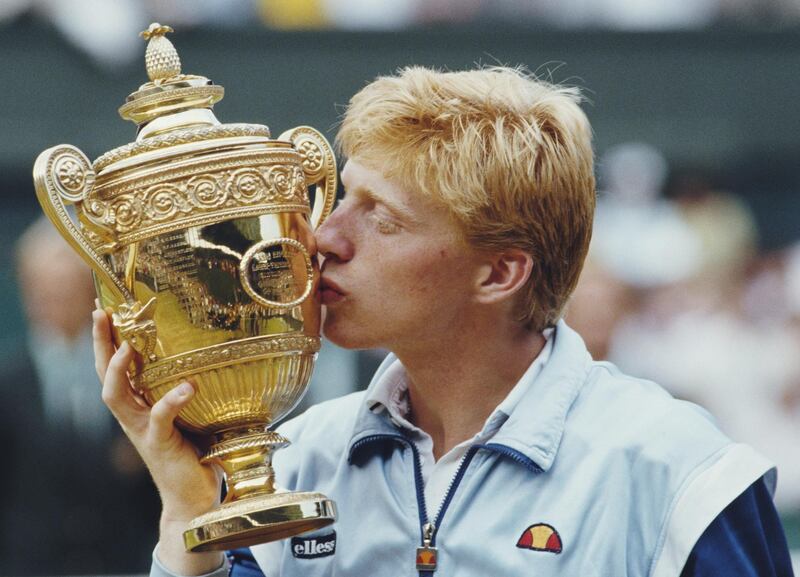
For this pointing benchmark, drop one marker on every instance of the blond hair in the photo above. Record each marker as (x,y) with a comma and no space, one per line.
(508,154)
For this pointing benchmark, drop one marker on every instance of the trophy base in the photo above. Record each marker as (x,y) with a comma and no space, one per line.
(259,519)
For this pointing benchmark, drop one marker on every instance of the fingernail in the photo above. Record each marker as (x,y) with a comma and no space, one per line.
(185,389)
(125,347)
(97,304)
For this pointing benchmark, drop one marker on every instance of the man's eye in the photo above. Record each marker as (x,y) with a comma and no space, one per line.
(387,227)
(384,226)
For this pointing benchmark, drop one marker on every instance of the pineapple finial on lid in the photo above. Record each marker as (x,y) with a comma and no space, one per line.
(161,58)
(168,90)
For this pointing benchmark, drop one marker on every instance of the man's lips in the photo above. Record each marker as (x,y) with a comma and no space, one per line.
(330,292)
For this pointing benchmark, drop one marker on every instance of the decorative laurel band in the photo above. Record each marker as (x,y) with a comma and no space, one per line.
(178,137)
(265,439)
(185,364)
(211,92)
(263,472)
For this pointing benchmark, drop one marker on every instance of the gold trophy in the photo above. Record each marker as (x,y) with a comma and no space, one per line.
(200,236)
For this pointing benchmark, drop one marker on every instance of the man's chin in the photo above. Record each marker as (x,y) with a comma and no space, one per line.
(337,338)
(336,331)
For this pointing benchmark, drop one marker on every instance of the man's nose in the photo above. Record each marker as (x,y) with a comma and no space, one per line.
(333,241)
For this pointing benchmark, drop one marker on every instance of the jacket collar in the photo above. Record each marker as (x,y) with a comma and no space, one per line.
(532,434)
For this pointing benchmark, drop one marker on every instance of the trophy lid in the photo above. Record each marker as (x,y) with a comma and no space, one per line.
(171,110)
(169,90)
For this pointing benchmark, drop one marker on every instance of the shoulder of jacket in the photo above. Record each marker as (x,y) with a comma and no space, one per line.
(619,412)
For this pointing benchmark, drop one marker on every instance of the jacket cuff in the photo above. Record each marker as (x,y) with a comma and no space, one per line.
(158,570)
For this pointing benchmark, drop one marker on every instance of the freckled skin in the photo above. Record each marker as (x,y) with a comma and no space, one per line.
(403,288)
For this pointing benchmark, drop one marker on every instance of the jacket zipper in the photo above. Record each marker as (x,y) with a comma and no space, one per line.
(427,552)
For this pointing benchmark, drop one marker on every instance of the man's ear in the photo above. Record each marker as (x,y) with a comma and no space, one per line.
(503,275)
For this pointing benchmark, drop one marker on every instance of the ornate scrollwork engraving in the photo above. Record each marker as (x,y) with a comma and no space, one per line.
(208,191)
(126,213)
(248,184)
(164,201)
(136,325)
(271,184)
(286,181)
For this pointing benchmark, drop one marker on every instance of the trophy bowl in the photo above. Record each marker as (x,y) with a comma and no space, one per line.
(200,238)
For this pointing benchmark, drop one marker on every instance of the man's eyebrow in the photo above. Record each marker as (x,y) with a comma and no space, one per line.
(398,209)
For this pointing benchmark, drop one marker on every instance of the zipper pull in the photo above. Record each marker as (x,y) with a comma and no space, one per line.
(426,555)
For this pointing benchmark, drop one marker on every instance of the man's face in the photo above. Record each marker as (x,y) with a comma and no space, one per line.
(396,273)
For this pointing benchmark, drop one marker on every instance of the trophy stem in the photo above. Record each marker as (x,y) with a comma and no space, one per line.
(254,511)
(245,456)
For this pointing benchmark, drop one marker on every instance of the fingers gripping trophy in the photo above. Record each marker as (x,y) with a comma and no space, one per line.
(200,237)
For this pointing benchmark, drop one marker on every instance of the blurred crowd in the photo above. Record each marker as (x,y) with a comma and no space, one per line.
(75,499)
(106,29)
(676,290)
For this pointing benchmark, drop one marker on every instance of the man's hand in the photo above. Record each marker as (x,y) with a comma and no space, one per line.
(187,487)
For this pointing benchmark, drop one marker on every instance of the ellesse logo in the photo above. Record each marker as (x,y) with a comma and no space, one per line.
(313,547)
(541,537)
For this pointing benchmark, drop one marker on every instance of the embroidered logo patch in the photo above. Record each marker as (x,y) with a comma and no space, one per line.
(540,537)
(313,547)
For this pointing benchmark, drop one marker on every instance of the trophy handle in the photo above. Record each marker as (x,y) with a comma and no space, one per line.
(319,166)
(63,175)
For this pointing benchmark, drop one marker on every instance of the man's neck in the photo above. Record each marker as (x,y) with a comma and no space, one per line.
(455,385)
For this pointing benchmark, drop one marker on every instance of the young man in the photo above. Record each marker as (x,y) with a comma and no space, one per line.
(489,442)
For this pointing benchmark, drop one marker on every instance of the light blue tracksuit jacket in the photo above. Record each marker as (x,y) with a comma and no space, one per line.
(626,478)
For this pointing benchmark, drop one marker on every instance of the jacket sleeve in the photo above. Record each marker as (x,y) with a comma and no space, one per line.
(746,540)
(243,564)
(158,570)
